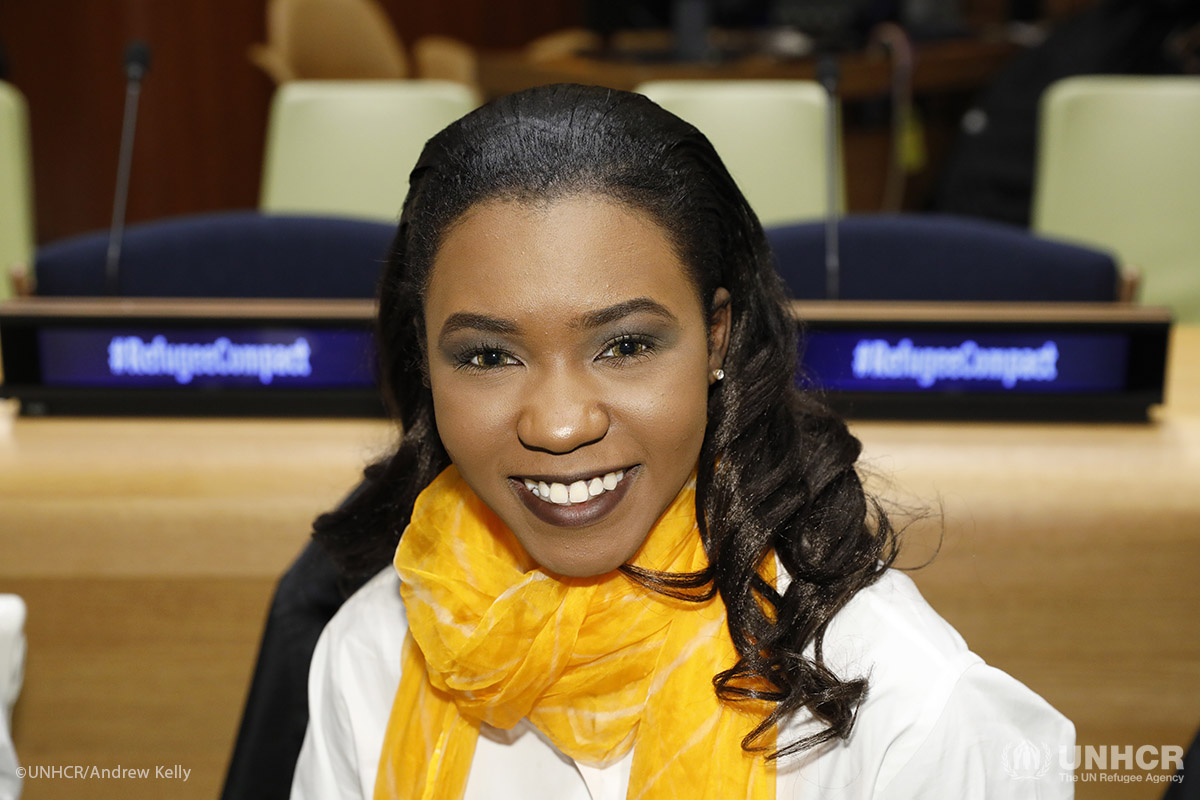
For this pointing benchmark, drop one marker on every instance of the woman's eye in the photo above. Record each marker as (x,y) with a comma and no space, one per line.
(627,348)
(487,358)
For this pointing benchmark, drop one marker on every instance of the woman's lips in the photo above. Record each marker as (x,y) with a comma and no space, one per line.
(574,515)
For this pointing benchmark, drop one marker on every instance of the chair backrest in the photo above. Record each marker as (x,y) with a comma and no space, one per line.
(240,254)
(562,43)
(911,257)
(442,58)
(1118,167)
(16,186)
(346,147)
(770,134)
(330,40)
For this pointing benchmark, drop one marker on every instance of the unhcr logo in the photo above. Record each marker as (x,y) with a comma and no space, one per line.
(1026,761)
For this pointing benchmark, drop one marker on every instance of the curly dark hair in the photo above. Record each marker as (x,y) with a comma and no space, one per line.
(776,474)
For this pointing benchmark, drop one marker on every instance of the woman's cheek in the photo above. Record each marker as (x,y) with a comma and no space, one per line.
(668,415)
(469,415)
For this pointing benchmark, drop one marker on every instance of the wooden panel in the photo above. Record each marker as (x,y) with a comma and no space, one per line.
(202,111)
(157,498)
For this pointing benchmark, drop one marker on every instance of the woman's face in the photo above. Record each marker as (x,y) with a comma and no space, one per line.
(570,363)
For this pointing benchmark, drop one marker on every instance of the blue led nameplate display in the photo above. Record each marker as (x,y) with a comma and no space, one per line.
(1006,362)
(127,356)
(260,358)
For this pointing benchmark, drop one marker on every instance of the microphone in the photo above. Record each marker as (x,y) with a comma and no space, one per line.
(689,20)
(827,75)
(137,63)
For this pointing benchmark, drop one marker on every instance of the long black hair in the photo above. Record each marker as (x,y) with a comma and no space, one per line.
(776,475)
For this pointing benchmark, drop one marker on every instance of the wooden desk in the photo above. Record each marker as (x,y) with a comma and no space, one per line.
(147,551)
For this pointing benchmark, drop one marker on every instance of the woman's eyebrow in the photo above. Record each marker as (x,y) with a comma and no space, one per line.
(603,316)
(462,320)
(466,320)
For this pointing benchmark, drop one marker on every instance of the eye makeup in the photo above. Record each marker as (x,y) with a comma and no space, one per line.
(627,347)
(483,357)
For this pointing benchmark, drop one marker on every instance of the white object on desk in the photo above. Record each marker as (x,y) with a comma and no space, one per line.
(12,671)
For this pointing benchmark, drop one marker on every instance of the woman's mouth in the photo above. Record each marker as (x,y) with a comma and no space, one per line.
(576,502)
(578,491)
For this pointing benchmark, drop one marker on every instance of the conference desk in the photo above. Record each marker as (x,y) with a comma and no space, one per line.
(147,550)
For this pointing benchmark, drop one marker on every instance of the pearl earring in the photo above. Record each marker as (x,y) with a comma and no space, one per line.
(718,374)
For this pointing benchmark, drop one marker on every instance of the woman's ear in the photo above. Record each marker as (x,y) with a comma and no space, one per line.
(718,331)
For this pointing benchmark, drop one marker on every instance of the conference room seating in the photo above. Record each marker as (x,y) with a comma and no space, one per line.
(354,40)
(942,258)
(1118,167)
(442,58)
(770,134)
(329,39)
(345,148)
(16,186)
(563,43)
(237,254)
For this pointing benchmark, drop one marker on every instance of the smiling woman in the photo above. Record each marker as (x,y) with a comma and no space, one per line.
(587,358)
(636,560)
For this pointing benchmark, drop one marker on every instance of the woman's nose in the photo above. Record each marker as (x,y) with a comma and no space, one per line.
(561,413)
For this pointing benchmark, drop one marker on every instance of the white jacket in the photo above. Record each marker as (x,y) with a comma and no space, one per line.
(937,722)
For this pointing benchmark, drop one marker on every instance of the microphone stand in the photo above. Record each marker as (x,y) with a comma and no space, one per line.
(137,61)
(689,21)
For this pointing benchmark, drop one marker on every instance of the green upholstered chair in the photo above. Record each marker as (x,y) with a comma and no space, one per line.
(770,134)
(345,148)
(16,187)
(1118,167)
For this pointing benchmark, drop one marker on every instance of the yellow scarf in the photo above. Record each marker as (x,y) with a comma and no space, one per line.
(599,665)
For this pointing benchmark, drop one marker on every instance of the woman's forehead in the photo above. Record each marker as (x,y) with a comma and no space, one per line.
(563,258)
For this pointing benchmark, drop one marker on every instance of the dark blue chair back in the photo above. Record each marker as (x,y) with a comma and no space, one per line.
(239,254)
(910,257)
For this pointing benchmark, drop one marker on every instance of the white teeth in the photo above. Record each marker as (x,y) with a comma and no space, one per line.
(578,492)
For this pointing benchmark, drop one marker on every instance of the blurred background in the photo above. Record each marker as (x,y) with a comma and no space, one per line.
(203,115)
